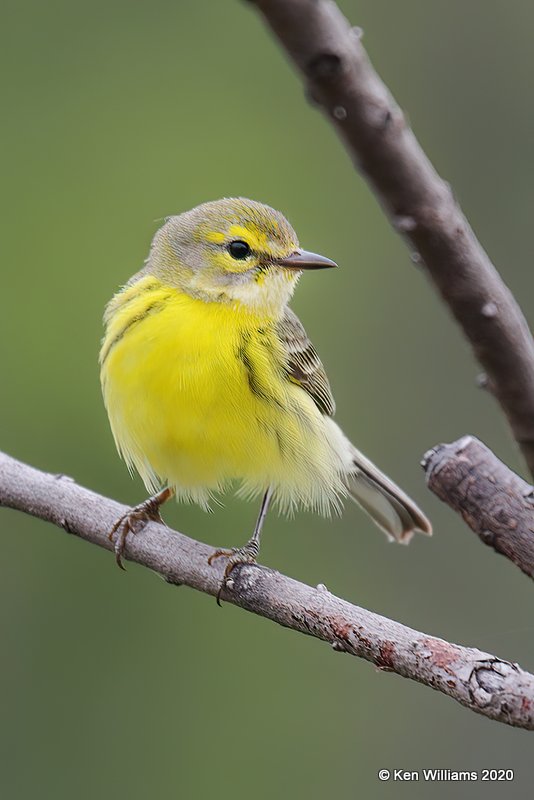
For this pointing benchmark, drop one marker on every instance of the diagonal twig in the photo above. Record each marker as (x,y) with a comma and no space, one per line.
(420,205)
(488,685)
(496,503)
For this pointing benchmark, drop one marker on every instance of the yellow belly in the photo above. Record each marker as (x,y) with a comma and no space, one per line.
(197,396)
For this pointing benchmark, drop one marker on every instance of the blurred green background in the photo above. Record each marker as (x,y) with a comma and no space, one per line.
(116,114)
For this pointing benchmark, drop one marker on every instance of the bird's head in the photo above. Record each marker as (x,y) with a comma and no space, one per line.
(233,251)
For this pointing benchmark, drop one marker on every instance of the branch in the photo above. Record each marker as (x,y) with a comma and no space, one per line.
(496,503)
(488,685)
(419,204)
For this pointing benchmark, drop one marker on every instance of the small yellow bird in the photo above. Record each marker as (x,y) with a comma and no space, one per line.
(209,378)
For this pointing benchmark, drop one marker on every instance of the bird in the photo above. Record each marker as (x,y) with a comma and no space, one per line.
(211,382)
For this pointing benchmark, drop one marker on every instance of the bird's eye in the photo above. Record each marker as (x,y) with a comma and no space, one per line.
(239,249)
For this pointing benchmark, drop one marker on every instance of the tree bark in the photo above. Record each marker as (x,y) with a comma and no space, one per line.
(488,685)
(496,503)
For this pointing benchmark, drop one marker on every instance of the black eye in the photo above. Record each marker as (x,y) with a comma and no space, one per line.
(239,249)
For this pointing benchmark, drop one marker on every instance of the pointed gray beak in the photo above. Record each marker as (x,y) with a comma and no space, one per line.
(303,259)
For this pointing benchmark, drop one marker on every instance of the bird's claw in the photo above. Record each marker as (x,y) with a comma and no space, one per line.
(132,522)
(235,555)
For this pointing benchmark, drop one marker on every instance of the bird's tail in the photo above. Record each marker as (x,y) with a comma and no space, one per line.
(387,505)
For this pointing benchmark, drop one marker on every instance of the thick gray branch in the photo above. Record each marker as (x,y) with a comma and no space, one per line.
(488,685)
(496,503)
(420,205)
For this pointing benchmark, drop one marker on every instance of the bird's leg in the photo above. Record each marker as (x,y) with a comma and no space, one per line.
(135,519)
(247,554)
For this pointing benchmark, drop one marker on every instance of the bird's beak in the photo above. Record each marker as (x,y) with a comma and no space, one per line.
(303,259)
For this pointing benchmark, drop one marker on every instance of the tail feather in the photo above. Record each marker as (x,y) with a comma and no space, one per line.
(389,507)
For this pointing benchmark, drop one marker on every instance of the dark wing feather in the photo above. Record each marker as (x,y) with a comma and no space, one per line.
(304,366)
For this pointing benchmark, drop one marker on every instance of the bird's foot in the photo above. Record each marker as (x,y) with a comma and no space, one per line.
(134,520)
(247,554)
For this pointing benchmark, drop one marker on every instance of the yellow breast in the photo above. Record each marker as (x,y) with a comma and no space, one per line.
(197,396)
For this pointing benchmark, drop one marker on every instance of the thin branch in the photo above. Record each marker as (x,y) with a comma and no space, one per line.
(496,503)
(419,204)
(488,685)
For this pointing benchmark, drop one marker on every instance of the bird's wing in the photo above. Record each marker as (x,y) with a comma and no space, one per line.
(303,365)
